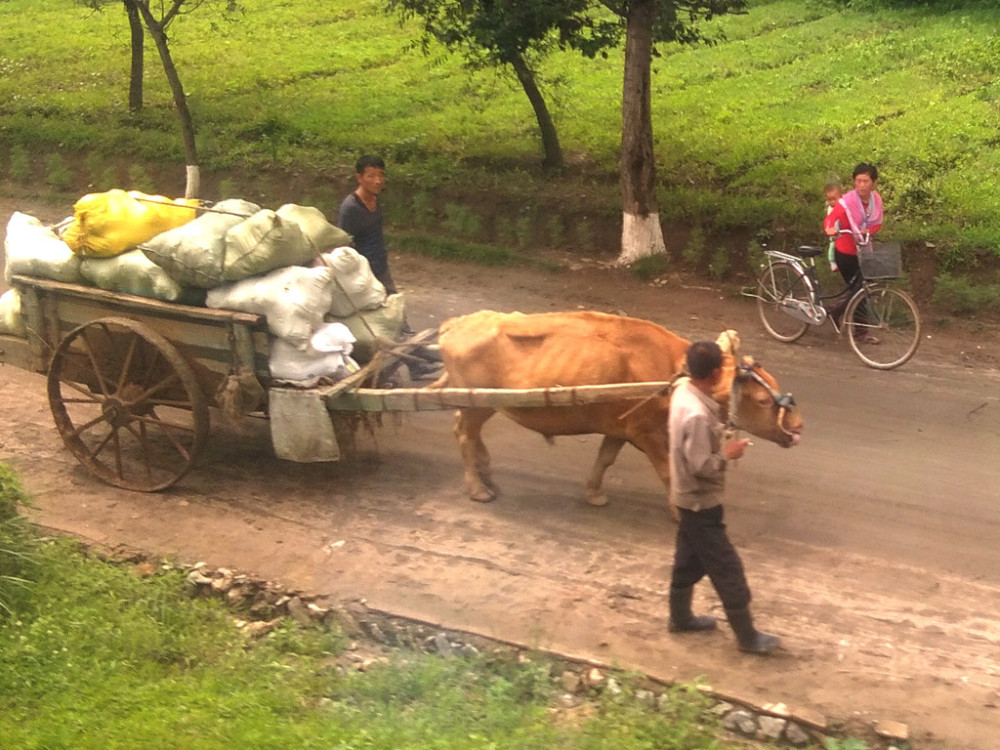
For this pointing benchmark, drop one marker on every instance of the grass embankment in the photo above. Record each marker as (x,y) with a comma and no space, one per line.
(747,131)
(96,657)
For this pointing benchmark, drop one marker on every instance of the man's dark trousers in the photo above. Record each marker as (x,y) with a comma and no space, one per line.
(703,548)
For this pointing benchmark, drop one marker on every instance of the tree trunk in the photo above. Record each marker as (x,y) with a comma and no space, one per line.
(136,71)
(641,232)
(550,139)
(158,31)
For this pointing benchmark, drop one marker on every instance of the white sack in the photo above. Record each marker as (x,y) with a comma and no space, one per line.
(357,288)
(193,253)
(321,234)
(326,355)
(294,299)
(11,321)
(263,243)
(32,249)
(386,323)
(133,273)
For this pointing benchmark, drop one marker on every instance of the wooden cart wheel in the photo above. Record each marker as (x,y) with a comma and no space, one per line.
(127,404)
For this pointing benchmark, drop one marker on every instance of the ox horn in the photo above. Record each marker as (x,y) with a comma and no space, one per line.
(729,342)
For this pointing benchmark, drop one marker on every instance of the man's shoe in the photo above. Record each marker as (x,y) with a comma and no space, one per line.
(681,618)
(749,638)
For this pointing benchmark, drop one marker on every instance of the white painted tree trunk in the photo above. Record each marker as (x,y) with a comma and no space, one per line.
(193,186)
(642,236)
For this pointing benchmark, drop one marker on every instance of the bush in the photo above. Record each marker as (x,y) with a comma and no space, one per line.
(651,266)
(960,297)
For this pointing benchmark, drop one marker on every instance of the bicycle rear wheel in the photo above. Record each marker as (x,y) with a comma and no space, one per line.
(780,290)
(883,327)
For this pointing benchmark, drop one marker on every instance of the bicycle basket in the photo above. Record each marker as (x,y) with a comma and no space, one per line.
(883,261)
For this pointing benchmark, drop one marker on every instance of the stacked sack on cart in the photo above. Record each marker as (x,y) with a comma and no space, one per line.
(320,299)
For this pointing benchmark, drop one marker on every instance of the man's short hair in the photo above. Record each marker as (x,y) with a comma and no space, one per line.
(368,160)
(702,358)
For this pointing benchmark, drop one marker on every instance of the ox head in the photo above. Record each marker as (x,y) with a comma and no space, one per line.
(751,399)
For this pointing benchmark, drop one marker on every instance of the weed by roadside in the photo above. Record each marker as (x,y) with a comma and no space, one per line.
(18,562)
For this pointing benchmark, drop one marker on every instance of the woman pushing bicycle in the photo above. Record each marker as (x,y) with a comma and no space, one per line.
(861,210)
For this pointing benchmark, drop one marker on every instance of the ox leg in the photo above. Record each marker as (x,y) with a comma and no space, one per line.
(476,459)
(606,455)
(659,456)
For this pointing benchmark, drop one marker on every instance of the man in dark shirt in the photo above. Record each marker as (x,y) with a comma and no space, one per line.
(361,216)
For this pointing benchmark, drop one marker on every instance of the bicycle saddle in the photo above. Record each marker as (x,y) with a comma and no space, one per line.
(808,251)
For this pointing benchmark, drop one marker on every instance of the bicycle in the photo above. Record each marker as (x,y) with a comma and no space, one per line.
(882,322)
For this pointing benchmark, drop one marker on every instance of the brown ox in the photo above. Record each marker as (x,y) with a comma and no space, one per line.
(511,350)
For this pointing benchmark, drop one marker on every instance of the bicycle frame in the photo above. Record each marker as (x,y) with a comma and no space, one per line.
(814,311)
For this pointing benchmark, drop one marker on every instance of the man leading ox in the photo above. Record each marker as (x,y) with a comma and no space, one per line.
(698,459)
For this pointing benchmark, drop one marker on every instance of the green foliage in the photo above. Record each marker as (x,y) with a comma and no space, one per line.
(228,189)
(555,232)
(694,251)
(461,220)
(583,232)
(140,179)
(963,297)
(932,5)
(848,743)
(422,210)
(20,164)
(18,544)
(679,722)
(447,249)
(651,266)
(57,173)
(720,262)
(748,130)
(523,226)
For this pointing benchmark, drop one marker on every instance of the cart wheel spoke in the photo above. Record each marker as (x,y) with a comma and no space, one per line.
(155,388)
(82,428)
(95,365)
(89,397)
(127,364)
(120,373)
(95,449)
(164,425)
(168,432)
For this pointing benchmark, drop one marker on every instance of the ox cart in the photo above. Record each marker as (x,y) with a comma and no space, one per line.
(132,382)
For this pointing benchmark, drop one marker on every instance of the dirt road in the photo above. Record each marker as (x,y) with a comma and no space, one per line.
(871,548)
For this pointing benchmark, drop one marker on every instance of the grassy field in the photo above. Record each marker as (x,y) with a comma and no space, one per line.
(285,95)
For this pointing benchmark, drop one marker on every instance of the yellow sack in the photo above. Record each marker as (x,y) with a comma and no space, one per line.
(108,224)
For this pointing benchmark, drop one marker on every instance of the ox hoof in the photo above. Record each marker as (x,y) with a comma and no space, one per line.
(484,496)
(598,499)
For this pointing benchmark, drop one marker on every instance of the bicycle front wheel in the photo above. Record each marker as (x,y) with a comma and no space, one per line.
(883,327)
(781,292)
